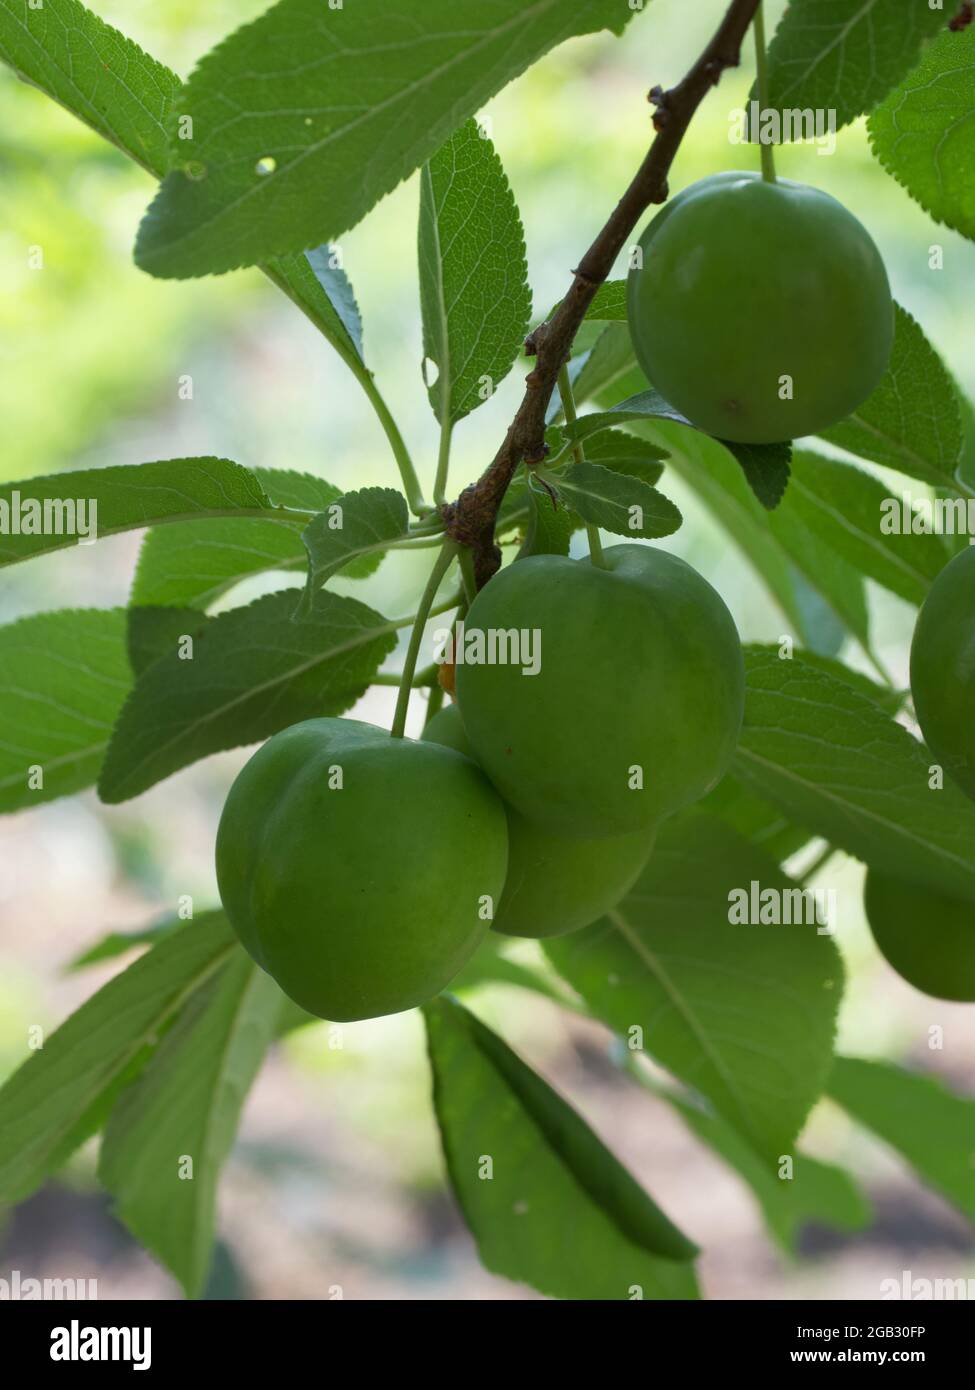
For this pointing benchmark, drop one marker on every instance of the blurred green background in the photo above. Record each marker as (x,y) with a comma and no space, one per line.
(337,1177)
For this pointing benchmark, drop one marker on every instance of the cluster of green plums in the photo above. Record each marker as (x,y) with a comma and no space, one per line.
(362,871)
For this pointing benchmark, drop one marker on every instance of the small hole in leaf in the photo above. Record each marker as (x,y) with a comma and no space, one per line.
(195,170)
(266,166)
(431,372)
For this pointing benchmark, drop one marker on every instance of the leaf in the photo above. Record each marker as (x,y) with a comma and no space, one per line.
(845,55)
(184,1109)
(922,132)
(356,525)
(558,1212)
(836,763)
(194,563)
(95,72)
(743,1013)
(340,297)
(255,670)
(754,818)
(608,304)
(118,943)
(323,292)
(47,1105)
(63,679)
(155,632)
(766,469)
(97,502)
(549,527)
(611,360)
(300,129)
(625,453)
(932,1128)
(817,1193)
(622,505)
(911,422)
(845,507)
(473,273)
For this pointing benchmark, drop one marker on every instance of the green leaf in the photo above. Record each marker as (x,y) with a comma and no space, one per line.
(356,525)
(836,763)
(625,506)
(549,527)
(155,632)
(625,453)
(323,292)
(558,1211)
(844,507)
(911,422)
(48,1105)
(754,818)
(608,304)
(98,74)
(172,1129)
(298,132)
(194,563)
(922,132)
(933,1129)
(118,943)
(63,679)
(473,273)
(610,361)
(60,509)
(743,1013)
(817,1193)
(845,55)
(891,701)
(254,670)
(766,469)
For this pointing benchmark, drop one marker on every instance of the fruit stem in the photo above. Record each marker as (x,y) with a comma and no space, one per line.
(444,560)
(579,454)
(761,64)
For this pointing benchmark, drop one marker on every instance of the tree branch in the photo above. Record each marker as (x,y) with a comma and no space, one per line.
(471,520)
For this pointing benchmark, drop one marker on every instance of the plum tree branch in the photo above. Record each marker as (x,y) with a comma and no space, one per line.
(471,520)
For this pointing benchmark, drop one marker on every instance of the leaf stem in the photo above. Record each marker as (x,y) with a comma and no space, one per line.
(443,461)
(579,454)
(761,64)
(411,483)
(444,560)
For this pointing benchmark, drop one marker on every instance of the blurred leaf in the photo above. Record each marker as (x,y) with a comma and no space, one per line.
(911,422)
(47,1105)
(757,820)
(836,763)
(743,1013)
(617,503)
(172,1129)
(922,132)
(558,1211)
(98,74)
(845,55)
(255,670)
(473,273)
(611,360)
(118,943)
(356,525)
(298,134)
(489,966)
(933,1129)
(63,679)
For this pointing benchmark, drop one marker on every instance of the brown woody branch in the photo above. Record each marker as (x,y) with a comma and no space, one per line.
(472,518)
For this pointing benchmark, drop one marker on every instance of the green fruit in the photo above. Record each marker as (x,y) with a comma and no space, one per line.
(554,885)
(744,283)
(353,865)
(928,937)
(636,707)
(943,669)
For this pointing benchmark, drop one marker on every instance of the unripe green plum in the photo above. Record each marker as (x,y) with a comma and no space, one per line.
(636,708)
(744,283)
(554,885)
(354,866)
(943,669)
(928,937)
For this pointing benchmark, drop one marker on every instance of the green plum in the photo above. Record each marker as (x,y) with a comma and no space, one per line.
(761,311)
(554,885)
(943,669)
(361,871)
(636,706)
(928,937)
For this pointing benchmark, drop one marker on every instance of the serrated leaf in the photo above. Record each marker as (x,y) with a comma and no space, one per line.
(299,133)
(745,1014)
(155,632)
(49,1104)
(625,453)
(63,679)
(922,132)
(98,74)
(473,273)
(845,55)
(254,670)
(355,526)
(184,1108)
(911,422)
(549,527)
(625,506)
(836,763)
(608,304)
(766,468)
(64,507)
(322,291)
(559,1211)
(930,1126)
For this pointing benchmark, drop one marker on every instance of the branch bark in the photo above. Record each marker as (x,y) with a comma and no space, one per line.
(471,520)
